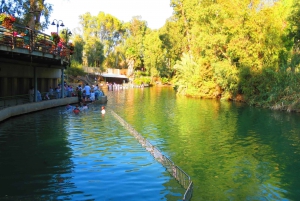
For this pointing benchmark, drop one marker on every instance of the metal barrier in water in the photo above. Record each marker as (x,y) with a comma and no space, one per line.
(182,177)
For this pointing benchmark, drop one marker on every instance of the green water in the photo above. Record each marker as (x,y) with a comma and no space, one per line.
(230,150)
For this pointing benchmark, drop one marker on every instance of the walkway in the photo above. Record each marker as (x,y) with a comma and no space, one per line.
(33,107)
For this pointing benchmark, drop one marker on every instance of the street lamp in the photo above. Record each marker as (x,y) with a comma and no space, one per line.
(67,32)
(57,24)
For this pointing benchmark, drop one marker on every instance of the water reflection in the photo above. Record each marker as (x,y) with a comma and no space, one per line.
(231,151)
(56,155)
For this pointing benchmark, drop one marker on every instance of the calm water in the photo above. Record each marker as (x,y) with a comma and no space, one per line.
(231,151)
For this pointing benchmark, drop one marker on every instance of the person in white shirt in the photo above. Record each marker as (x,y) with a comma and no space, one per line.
(103,110)
(85,107)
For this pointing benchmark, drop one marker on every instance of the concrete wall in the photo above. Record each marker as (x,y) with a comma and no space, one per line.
(17,79)
(14,70)
(33,107)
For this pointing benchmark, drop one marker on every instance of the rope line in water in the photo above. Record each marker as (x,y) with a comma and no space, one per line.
(182,177)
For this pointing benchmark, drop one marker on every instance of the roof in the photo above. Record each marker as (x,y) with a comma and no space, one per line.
(113,75)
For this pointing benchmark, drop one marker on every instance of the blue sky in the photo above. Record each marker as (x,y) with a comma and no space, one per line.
(155,12)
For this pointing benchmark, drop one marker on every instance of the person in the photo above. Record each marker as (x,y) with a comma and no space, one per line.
(31,94)
(68,107)
(26,37)
(79,93)
(96,90)
(49,93)
(85,107)
(101,93)
(92,96)
(87,89)
(83,96)
(102,110)
(76,110)
(38,95)
(57,92)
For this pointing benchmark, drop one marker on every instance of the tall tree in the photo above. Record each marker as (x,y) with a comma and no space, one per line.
(28,12)
(78,48)
(134,44)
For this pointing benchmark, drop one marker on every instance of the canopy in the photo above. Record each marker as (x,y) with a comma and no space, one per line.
(113,75)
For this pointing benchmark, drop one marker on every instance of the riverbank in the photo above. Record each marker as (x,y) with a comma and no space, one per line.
(9,112)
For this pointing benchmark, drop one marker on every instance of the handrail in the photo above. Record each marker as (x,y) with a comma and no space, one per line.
(8,101)
(32,40)
(182,177)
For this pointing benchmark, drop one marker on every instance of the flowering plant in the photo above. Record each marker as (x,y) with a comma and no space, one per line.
(2,16)
(55,37)
(7,20)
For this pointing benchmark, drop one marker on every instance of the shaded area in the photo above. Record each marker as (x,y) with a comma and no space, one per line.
(57,155)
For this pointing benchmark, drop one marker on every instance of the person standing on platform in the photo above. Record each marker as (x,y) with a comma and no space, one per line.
(26,37)
(87,89)
(79,94)
(31,94)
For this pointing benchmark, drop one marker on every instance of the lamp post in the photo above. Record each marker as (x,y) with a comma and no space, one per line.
(56,22)
(67,32)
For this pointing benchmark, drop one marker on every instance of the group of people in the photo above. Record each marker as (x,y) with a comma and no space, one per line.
(85,94)
(68,92)
(77,110)
(31,95)
(88,93)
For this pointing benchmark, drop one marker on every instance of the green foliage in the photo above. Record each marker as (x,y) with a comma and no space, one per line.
(209,48)
(226,76)
(94,52)
(75,69)
(134,43)
(21,10)
(78,48)
(165,80)
(142,80)
(154,55)
(236,48)
(187,78)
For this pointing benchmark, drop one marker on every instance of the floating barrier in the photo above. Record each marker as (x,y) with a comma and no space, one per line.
(183,178)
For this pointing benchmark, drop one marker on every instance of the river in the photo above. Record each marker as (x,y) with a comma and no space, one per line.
(231,151)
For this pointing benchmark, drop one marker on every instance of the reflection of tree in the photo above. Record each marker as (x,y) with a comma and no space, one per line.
(278,137)
(230,151)
(37,144)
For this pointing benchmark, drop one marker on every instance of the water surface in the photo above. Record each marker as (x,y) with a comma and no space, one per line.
(230,150)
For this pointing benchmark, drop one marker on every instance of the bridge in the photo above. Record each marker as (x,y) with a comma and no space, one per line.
(32,60)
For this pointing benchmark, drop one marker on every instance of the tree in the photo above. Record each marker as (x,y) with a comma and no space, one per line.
(154,55)
(134,44)
(28,12)
(78,48)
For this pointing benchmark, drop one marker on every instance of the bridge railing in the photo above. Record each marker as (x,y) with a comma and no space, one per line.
(25,38)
